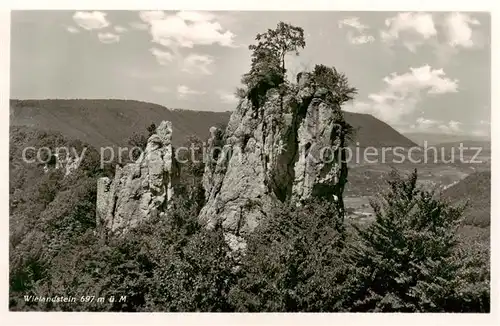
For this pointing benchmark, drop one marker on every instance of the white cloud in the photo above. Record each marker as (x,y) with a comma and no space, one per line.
(352,22)
(458,29)
(357,34)
(163,57)
(197,64)
(452,127)
(413,27)
(431,126)
(186,29)
(195,16)
(139,26)
(91,19)
(484,122)
(183,91)
(425,78)
(108,38)
(120,29)
(402,93)
(151,15)
(192,64)
(423,124)
(160,89)
(482,133)
(228,98)
(361,39)
(72,29)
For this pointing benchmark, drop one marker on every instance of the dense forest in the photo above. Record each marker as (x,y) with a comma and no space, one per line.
(305,259)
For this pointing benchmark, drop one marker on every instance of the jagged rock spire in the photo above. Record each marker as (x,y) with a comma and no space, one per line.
(141,189)
(272,155)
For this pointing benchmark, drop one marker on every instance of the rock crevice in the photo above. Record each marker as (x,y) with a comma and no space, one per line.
(274,153)
(139,190)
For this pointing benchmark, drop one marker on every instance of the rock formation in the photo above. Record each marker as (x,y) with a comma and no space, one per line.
(318,170)
(68,164)
(287,149)
(210,159)
(139,190)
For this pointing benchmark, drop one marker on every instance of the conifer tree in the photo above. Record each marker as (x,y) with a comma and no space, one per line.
(405,260)
(268,59)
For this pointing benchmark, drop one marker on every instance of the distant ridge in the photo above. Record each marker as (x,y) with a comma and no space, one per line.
(484,144)
(102,122)
(110,122)
(476,190)
(371,131)
(436,138)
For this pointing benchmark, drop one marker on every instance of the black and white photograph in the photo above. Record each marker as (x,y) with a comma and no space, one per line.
(258,161)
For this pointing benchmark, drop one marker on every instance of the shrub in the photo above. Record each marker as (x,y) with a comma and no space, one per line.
(293,262)
(335,82)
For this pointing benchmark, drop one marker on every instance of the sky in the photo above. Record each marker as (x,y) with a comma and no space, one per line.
(417,71)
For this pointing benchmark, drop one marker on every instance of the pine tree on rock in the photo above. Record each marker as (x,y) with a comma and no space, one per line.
(268,59)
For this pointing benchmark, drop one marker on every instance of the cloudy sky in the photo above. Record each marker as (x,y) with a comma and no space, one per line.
(421,72)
